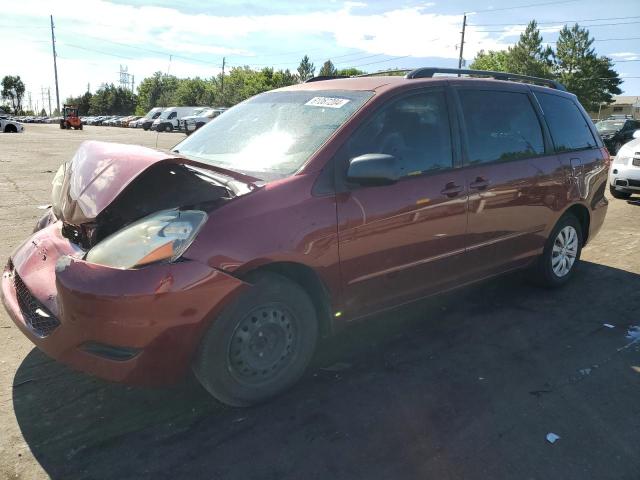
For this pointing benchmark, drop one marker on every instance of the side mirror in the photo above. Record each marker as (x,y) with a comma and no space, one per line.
(373,169)
(636,134)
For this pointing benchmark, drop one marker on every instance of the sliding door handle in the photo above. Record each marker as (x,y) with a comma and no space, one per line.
(480,183)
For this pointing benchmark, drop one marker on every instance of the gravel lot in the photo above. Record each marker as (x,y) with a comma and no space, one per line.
(465,385)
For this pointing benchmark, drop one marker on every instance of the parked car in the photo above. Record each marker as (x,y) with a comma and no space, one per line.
(191,123)
(616,133)
(296,212)
(624,175)
(170,118)
(146,121)
(10,126)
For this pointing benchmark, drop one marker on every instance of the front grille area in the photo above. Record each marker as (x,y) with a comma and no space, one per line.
(37,317)
(634,183)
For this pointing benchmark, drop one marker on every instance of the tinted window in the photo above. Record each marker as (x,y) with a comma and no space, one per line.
(569,128)
(414,129)
(500,126)
(173,115)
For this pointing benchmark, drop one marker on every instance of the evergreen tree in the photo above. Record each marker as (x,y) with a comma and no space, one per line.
(306,69)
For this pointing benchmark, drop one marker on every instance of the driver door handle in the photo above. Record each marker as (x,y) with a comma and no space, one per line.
(451,189)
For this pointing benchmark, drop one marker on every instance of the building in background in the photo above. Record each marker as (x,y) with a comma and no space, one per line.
(622,105)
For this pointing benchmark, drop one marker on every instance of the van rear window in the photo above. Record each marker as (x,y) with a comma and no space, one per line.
(569,129)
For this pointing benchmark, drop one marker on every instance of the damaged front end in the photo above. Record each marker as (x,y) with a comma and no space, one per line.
(107,187)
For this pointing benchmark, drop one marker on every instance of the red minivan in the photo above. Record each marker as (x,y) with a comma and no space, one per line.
(298,211)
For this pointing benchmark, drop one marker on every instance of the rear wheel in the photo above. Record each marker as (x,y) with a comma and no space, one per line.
(260,345)
(10,129)
(619,195)
(561,253)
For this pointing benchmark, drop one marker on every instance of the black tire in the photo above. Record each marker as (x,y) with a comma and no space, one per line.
(619,195)
(168,127)
(80,127)
(275,314)
(10,129)
(199,125)
(62,126)
(145,128)
(543,271)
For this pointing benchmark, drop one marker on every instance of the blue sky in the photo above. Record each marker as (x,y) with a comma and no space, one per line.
(95,37)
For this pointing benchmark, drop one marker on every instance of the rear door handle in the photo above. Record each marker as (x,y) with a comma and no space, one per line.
(451,190)
(480,183)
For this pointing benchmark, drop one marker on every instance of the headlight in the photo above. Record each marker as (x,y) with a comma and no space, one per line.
(163,236)
(624,155)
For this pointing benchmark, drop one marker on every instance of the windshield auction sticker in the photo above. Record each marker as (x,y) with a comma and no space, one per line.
(328,102)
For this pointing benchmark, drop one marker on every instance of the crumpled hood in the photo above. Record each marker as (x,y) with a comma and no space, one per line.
(100,171)
(95,176)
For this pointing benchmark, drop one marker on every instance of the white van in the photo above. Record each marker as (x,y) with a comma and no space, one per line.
(146,121)
(170,118)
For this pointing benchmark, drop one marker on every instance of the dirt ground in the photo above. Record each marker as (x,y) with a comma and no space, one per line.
(465,385)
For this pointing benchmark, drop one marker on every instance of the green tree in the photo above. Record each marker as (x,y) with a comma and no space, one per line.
(13,91)
(528,56)
(83,102)
(43,113)
(112,100)
(156,91)
(574,63)
(328,69)
(306,69)
(350,72)
(591,78)
(497,61)
(193,92)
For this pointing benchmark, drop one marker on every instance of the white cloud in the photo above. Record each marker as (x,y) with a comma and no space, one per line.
(625,56)
(401,31)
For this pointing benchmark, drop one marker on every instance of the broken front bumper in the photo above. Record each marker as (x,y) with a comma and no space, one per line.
(139,326)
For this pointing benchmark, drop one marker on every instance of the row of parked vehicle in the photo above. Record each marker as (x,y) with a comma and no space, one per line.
(185,119)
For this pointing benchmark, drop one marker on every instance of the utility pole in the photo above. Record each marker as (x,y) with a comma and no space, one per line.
(464,27)
(49,93)
(224,60)
(133,82)
(55,66)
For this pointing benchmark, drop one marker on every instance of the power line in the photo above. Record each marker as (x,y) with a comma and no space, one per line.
(550,22)
(96,51)
(381,61)
(591,26)
(489,10)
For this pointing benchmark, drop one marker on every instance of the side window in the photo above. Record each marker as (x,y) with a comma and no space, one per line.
(500,126)
(415,129)
(569,129)
(173,115)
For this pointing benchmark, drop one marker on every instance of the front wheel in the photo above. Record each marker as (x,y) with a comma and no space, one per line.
(619,195)
(168,127)
(561,253)
(260,345)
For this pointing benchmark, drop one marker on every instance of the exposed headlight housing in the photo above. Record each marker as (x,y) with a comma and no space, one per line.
(160,237)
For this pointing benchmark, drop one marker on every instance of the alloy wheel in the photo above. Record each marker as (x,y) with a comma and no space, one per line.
(565,250)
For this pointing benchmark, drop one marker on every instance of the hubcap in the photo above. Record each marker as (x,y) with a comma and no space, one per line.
(262,344)
(565,250)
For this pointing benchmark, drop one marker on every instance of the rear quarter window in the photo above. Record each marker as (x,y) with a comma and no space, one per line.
(569,128)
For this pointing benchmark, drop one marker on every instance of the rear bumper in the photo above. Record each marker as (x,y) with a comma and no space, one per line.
(156,315)
(625,178)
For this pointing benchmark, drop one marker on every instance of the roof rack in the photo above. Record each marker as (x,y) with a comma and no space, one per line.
(429,72)
(325,77)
